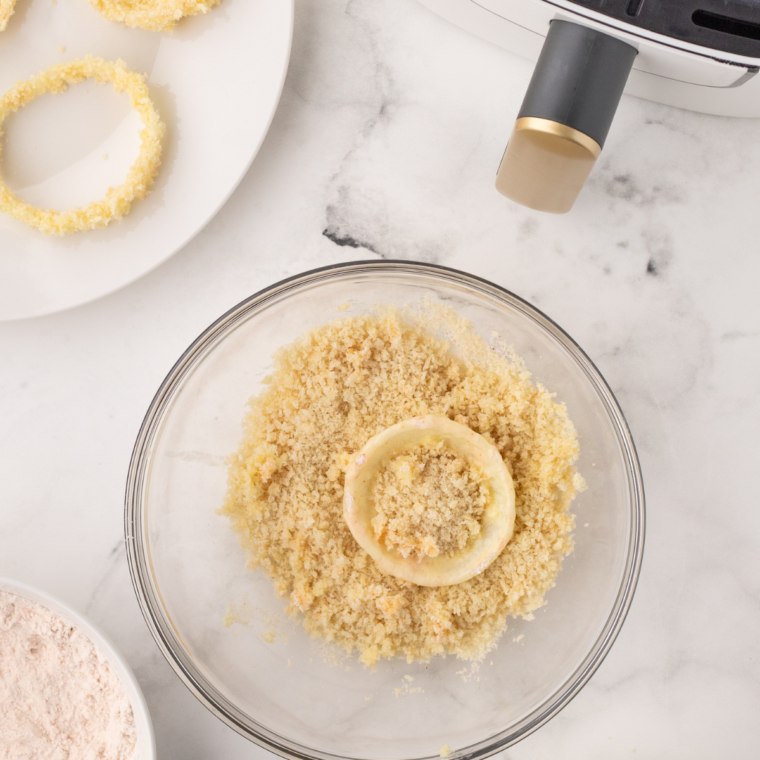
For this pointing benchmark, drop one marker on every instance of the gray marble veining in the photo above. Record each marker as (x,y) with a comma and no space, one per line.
(386,145)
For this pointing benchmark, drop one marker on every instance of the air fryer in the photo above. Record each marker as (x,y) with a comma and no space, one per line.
(702,55)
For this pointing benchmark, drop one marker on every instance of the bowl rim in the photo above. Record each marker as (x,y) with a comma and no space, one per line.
(143,722)
(139,565)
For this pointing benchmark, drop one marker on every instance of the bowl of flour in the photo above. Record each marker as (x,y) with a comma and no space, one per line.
(65,692)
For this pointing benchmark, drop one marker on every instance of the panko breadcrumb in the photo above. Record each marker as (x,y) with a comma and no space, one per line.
(6,11)
(331,391)
(428,501)
(154,15)
(119,199)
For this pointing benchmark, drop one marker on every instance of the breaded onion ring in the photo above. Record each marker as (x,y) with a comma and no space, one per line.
(141,174)
(155,15)
(6,11)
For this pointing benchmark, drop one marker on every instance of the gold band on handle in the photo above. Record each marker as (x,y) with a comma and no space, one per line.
(561,131)
(546,164)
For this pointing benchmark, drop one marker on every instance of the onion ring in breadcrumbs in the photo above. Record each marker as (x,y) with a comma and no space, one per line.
(6,11)
(141,174)
(155,15)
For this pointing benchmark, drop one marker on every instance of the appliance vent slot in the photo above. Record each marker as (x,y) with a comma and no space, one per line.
(725,24)
(633,7)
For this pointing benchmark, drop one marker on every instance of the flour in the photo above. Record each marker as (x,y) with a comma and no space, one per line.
(59,697)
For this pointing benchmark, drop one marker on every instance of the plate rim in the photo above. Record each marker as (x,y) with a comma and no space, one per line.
(20,315)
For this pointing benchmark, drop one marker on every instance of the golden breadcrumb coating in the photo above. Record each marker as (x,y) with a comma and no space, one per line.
(6,11)
(428,501)
(331,391)
(155,15)
(119,199)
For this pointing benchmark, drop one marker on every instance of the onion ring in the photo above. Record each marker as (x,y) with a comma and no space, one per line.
(155,15)
(141,174)
(6,11)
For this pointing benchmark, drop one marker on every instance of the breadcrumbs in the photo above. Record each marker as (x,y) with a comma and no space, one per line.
(6,11)
(331,391)
(118,200)
(154,15)
(428,501)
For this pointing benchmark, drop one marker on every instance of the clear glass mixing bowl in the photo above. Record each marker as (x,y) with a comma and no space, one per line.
(267,679)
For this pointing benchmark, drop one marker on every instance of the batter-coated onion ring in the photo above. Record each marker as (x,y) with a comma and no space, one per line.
(155,15)
(141,174)
(6,11)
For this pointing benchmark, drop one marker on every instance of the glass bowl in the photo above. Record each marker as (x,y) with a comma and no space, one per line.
(226,634)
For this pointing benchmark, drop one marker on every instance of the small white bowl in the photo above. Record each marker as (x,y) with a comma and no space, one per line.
(146,743)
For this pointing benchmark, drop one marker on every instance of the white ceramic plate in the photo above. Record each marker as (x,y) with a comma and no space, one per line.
(216,82)
(146,743)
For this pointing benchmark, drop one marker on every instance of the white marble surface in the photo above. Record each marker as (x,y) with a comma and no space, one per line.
(385,144)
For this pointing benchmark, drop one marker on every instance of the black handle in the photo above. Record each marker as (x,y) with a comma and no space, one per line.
(565,116)
(579,79)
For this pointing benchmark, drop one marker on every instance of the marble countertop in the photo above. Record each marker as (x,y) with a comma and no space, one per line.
(386,143)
